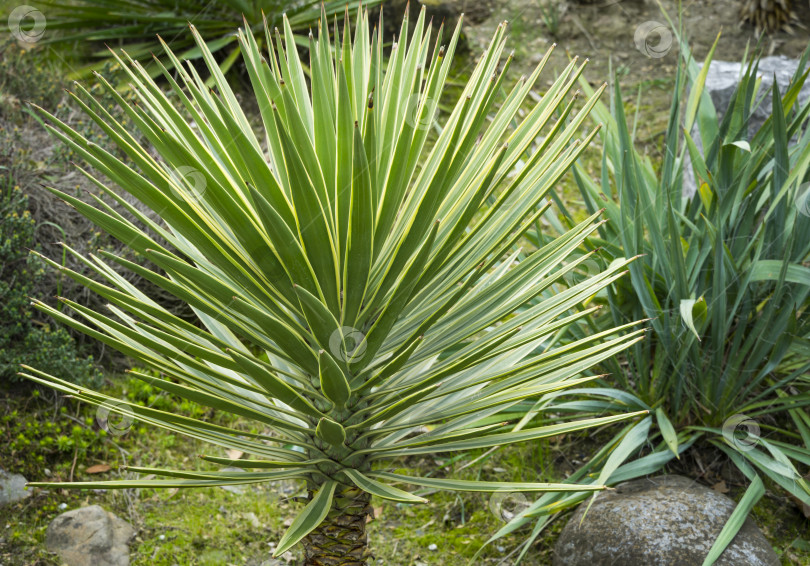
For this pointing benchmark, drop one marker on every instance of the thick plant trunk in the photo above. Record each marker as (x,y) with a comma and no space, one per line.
(768,15)
(341,539)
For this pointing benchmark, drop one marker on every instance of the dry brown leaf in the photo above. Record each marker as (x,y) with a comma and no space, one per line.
(721,487)
(375,514)
(98,469)
(235,454)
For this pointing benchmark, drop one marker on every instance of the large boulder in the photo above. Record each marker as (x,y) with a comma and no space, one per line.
(721,81)
(90,536)
(12,488)
(662,521)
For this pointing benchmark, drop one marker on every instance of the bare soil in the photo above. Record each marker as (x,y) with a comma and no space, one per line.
(605,31)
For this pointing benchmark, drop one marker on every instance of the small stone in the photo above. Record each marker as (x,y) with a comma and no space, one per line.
(12,488)
(90,536)
(253,520)
(433,546)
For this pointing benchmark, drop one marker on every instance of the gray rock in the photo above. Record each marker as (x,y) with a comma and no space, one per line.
(662,521)
(12,488)
(724,76)
(721,81)
(90,536)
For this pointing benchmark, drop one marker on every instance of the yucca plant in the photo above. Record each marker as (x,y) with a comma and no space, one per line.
(724,278)
(136,23)
(355,297)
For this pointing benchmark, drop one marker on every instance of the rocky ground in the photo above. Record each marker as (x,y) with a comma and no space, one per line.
(630,38)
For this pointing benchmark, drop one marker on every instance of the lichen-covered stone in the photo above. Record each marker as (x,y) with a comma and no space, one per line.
(12,488)
(90,536)
(662,521)
(724,76)
(722,80)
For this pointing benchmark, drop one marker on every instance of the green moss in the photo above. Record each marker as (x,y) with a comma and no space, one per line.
(214,526)
(784,525)
(209,526)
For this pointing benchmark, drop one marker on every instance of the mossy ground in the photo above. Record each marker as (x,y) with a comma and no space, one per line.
(216,527)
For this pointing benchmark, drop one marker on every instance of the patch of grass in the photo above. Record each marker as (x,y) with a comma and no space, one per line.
(214,526)
(59,437)
(448,530)
(40,440)
(550,14)
(208,526)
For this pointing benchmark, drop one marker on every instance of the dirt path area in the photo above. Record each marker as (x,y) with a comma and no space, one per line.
(606,31)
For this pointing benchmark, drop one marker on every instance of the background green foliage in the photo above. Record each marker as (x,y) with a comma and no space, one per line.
(26,76)
(134,25)
(35,437)
(23,339)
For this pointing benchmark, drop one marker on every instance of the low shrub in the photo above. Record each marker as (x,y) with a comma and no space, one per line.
(23,338)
